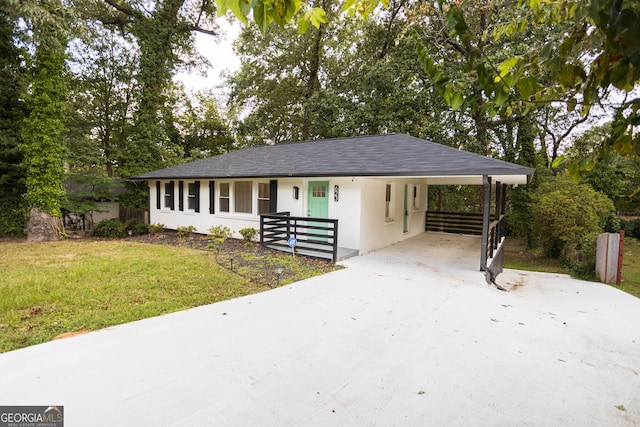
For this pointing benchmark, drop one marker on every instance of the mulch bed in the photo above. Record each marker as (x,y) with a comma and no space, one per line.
(247,259)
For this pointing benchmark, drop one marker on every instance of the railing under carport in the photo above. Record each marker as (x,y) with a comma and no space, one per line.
(491,226)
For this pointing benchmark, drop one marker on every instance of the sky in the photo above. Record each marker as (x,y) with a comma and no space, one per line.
(219,53)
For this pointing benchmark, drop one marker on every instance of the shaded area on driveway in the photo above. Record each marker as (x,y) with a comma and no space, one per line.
(396,338)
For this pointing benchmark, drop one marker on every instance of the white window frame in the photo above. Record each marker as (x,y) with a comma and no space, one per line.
(191,199)
(167,197)
(388,202)
(227,197)
(259,199)
(237,193)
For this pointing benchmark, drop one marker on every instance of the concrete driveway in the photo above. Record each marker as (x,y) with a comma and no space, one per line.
(388,341)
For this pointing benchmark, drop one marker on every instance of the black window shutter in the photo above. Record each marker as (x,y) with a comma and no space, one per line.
(273,196)
(157,194)
(173,190)
(181,195)
(197,206)
(212,197)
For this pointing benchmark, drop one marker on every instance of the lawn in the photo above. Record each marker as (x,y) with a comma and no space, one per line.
(75,286)
(519,258)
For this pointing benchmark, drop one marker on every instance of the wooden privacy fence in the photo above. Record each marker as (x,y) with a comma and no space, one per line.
(454,222)
(127,214)
(609,249)
(314,236)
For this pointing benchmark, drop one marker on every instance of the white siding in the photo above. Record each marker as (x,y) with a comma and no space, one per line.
(346,210)
(360,209)
(375,231)
(203,220)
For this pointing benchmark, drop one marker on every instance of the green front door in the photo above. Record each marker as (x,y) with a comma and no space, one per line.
(318,204)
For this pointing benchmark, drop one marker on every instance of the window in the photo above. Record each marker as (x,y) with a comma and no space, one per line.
(242,196)
(224,197)
(193,196)
(264,197)
(168,195)
(319,191)
(416,202)
(387,203)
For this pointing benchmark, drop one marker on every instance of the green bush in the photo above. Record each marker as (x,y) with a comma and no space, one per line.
(248,234)
(109,228)
(155,228)
(185,231)
(567,216)
(115,228)
(631,228)
(137,228)
(220,233)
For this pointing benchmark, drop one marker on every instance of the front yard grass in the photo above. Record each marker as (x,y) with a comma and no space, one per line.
(518,257)
(75,286)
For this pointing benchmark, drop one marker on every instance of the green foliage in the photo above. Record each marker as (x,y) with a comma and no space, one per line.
(14,210)
(248,234)
(346,79)
(567,216)
(115,228)
(156,228)
(137,228)
(135,195)
(43,144)
(220,233)
(109,228)
(206,133)
(185,231)
(631,228)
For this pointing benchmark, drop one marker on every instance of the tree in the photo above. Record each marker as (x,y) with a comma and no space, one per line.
(164,35)
(204,129)
(102,99)
(567,217)
(42,134)
(13,80)
(591,50)
(367,80)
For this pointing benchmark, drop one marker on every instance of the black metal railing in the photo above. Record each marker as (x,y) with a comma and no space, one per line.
(494,249)
(454,222)
(314,236)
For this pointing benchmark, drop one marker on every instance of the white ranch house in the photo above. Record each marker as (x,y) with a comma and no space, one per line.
(374,186)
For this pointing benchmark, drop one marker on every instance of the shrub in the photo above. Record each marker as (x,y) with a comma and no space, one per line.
(567,215)
(109,228)
(220,233)
(248,234)
(156,228)
(185,231)
(631,228)
(137,228)
(115,228)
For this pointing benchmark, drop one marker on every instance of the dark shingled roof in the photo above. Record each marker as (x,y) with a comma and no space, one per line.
(379,155)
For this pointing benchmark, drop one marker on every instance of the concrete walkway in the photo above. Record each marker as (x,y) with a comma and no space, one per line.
(387,341)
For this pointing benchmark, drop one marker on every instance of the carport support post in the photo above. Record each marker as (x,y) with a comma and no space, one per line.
(486,209)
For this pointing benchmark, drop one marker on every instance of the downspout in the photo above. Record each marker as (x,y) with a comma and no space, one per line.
(486,209)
